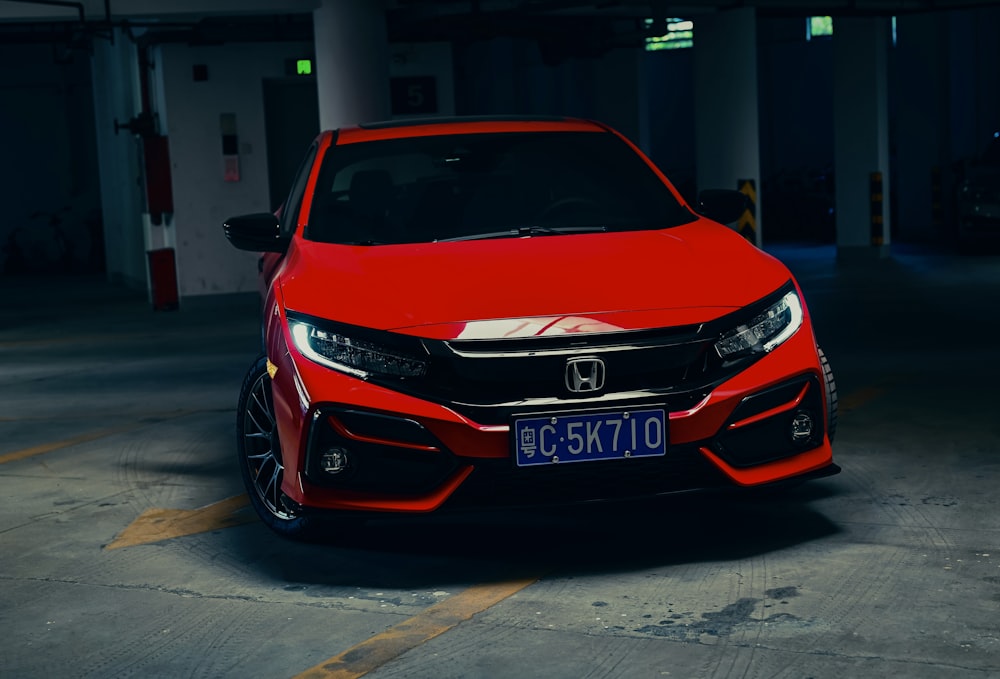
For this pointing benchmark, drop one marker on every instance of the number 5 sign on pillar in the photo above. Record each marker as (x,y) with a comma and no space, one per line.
(413,95)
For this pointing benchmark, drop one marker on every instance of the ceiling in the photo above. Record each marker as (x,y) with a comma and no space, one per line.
(577,25)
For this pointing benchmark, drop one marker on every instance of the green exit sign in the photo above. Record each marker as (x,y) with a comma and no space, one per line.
(299,66)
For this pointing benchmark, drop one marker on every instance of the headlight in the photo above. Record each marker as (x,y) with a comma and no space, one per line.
(764,332)
(353,356)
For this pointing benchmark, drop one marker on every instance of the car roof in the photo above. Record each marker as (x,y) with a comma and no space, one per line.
(423,127)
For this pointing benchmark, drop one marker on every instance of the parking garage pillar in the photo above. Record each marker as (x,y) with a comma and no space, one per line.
(861,135)
(352,62)
(116,84)
(725,92)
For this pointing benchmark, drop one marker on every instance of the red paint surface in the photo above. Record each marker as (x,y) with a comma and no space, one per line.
(514,287)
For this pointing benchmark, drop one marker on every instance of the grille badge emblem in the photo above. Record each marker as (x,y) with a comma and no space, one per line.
(584,374)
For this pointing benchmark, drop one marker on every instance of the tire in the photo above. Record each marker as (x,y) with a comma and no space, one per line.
(258,452)
(831,395)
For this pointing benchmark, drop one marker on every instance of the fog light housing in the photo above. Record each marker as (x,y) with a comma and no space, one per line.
(802,427)
(334,460)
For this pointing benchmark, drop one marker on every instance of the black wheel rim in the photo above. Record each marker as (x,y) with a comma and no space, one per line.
(261,450)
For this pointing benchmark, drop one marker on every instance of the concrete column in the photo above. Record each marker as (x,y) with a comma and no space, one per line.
(116,97)
(860,133)
(352,62)
(727,133)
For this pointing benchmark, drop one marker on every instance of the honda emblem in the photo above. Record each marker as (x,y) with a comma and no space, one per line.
(584,374)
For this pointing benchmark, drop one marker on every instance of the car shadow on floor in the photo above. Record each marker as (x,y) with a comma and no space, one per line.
(486,546)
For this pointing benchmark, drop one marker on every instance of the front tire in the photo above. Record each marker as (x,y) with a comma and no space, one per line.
(258,452)
(831,395)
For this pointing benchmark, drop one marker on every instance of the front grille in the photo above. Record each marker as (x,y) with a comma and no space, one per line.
(498,483)
(490,380)
(518,369)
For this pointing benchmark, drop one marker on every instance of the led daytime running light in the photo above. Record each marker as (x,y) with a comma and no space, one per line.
(764,332)
(353,356)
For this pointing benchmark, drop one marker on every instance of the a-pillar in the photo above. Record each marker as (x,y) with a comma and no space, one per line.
(861,135)
(352,62)
(727,134)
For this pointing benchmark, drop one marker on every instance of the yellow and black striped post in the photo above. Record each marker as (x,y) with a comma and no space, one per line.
(747,224)
(876,208)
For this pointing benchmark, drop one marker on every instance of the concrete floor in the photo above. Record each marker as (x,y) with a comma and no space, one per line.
(128,550)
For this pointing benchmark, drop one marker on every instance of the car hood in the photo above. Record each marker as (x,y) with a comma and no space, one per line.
(541,285)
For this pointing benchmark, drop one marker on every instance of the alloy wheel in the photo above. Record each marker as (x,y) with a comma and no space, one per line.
(261,449)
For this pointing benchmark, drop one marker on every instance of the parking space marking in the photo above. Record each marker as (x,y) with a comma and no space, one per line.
(371,654)
(144,420)
(73,339)
(156,525)
(65,443)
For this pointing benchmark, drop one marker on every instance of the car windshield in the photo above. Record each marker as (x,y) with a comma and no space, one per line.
(472,186)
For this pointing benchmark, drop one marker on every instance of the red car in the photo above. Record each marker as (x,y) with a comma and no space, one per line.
(491,312)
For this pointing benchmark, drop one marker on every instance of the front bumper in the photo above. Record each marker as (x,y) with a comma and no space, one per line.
(410,455)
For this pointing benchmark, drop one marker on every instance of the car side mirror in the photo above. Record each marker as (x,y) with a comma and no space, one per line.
(260,232)
(721,205)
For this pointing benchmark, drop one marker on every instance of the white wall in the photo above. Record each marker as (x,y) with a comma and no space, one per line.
(206,262)
(426,59)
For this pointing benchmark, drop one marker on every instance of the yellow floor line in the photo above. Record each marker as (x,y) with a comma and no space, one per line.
(72,339)
(371,654)
(147,419)
(65,443)
(156,525)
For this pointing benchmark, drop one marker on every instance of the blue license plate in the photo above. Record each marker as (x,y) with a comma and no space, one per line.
(583,437)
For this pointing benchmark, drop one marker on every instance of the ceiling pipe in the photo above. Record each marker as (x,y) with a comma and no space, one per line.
(78,6)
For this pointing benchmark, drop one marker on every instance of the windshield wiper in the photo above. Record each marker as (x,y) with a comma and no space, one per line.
(527,232)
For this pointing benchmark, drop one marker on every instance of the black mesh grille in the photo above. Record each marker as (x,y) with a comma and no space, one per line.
(770,439)
(373,467)
(498,483)
(490,381)
(481,374)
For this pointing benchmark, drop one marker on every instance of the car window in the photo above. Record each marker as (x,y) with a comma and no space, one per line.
(453,186)
(293,204)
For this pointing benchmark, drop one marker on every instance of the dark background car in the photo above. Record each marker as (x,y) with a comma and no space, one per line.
(978,199)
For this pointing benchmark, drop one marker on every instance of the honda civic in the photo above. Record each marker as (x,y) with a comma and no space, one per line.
(515,312)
